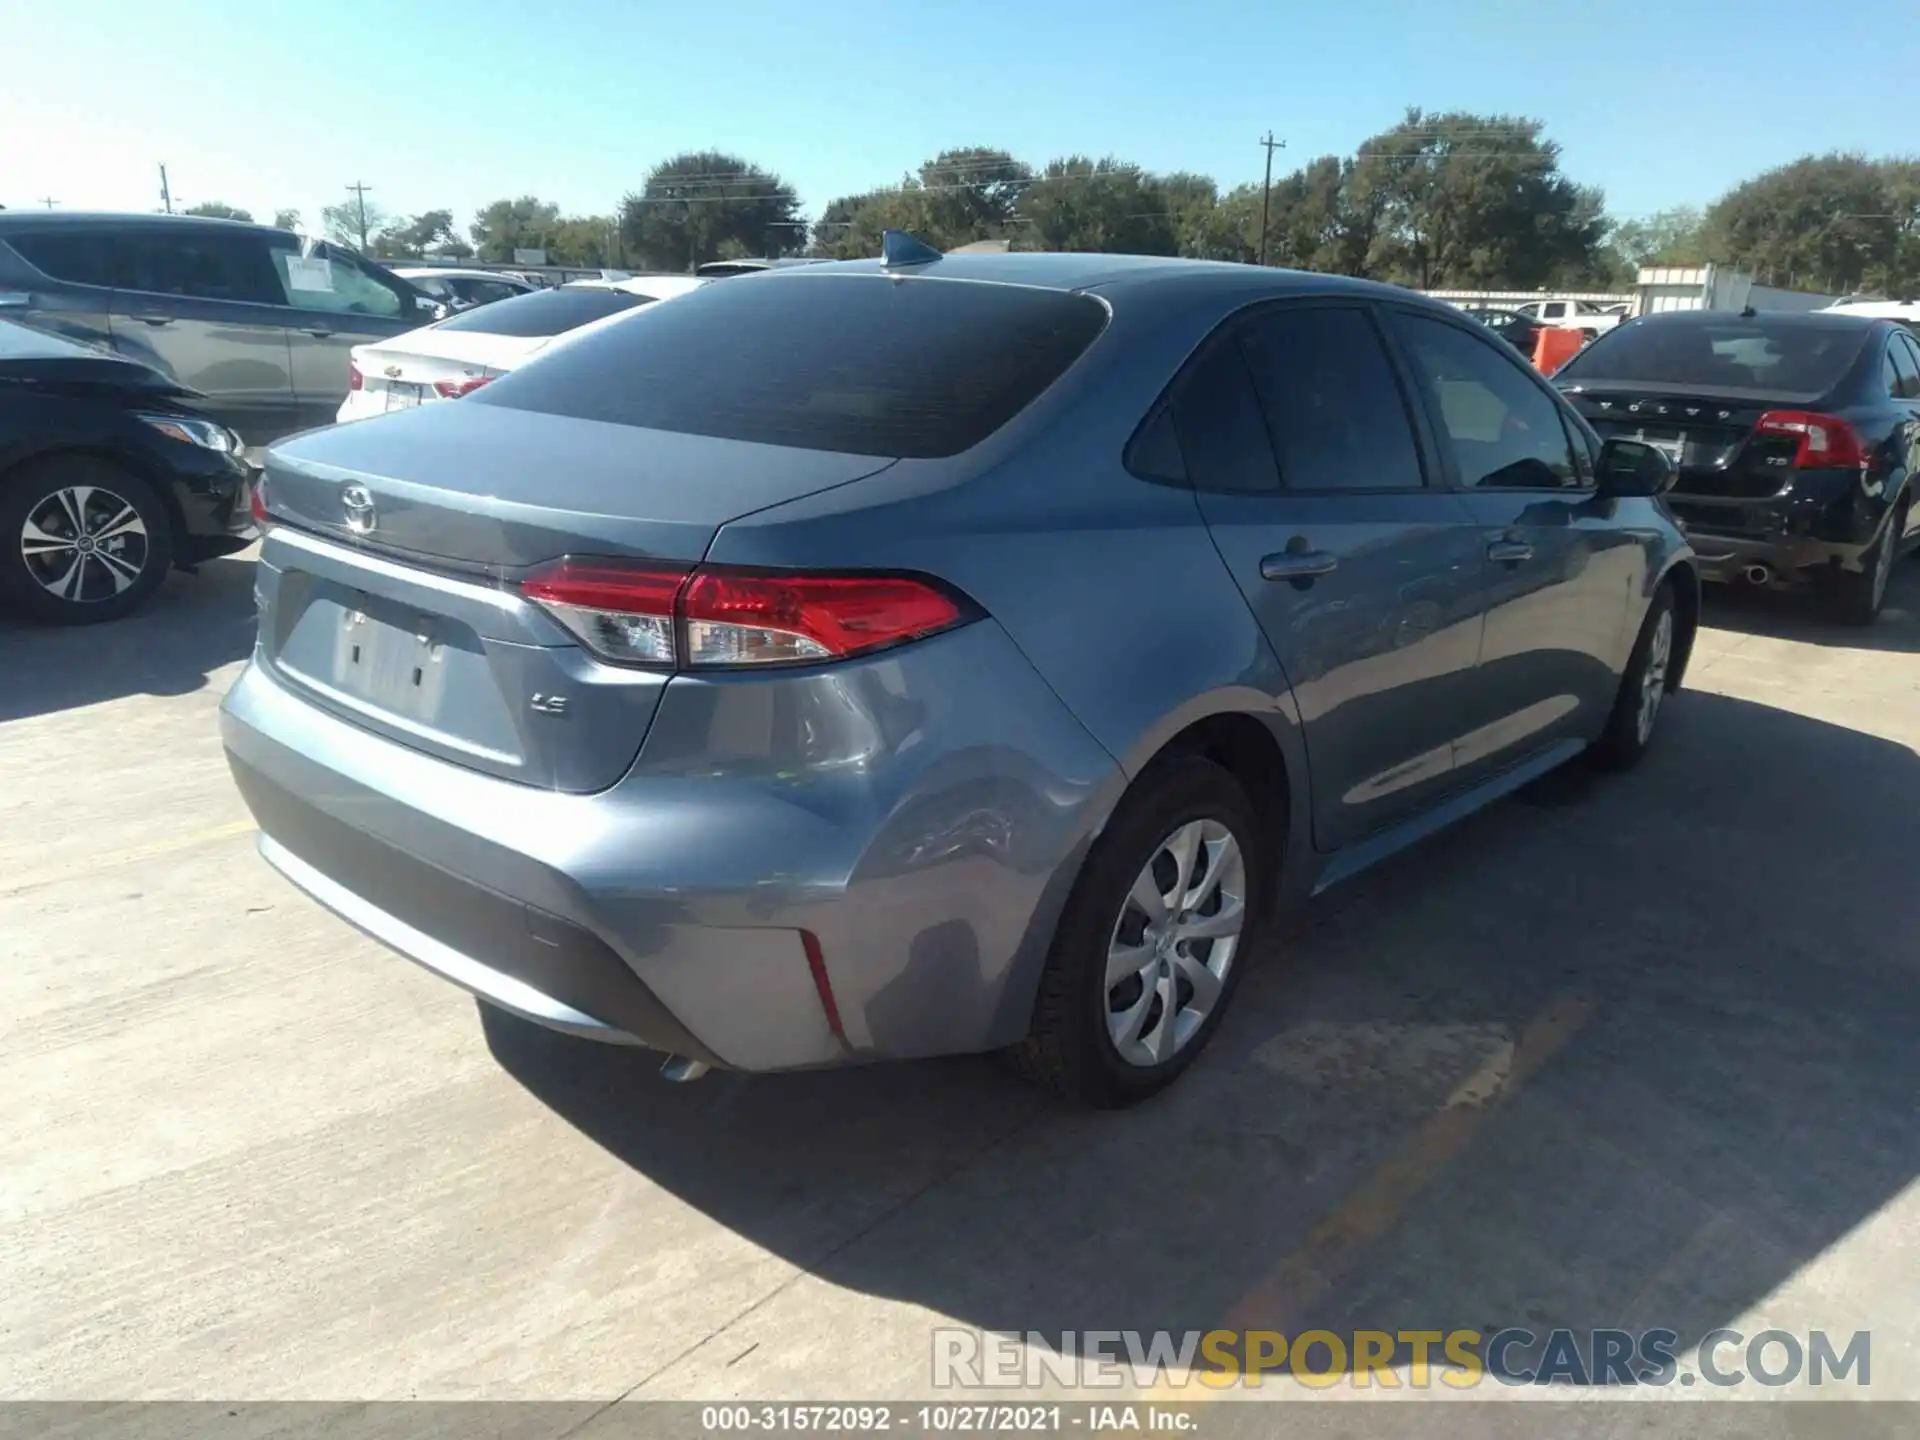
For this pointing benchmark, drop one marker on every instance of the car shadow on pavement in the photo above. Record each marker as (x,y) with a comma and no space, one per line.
(1624,1051)
(1796,615)
(191,626)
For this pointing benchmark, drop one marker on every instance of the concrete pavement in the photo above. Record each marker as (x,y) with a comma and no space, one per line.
(1634,1051)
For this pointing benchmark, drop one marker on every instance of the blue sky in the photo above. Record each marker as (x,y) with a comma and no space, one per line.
(270,104)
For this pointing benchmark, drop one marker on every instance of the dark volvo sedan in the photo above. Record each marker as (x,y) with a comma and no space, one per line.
(1796,438)
(938,654)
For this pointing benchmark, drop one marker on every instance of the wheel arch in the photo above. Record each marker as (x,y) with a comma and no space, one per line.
(1684,580)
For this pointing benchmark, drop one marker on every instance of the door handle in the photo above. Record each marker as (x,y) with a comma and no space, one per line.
(1298,565)
(319,332)
(154,320)
(1510,552)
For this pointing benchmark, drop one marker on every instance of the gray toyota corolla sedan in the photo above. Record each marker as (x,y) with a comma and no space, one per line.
(910,657)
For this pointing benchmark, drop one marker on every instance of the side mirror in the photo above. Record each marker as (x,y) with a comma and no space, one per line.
(1633,467)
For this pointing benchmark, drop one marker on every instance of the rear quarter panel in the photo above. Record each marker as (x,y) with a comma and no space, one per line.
(1109,585)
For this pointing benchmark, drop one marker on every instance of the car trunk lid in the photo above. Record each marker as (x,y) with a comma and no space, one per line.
(389,584)
(1709,437)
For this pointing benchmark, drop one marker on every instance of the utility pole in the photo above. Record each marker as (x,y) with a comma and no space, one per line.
(1266,189)
(360,199)
(166,195)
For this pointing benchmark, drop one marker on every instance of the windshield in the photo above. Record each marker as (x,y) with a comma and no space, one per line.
(1733,353)
(544,312)
(858,363)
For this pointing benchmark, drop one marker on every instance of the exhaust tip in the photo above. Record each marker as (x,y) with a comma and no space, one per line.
(1757,574)
(679,1069)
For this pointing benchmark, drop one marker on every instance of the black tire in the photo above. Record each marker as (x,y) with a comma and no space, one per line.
(1854,597)
(1626,738)
(108,577)
(1070,1049)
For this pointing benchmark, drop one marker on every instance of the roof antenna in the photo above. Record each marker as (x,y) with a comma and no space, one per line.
(899,249)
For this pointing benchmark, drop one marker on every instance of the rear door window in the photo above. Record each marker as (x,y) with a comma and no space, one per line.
(75,256)
(1216,417)
(865,364)
(543,312)
(199,265)
(1503,430)
(1331,401)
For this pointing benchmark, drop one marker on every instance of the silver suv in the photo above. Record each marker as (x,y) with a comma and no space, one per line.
(258,321)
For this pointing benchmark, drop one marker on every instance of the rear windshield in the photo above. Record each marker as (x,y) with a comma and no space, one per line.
(865,364)
(545,312)
(1784,360)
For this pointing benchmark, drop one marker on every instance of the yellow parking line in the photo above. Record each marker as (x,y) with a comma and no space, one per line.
(1371,1211)
(83,866)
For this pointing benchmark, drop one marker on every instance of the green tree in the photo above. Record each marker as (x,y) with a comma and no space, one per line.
(527,223)
(1668,237)
(219,210)
(286,219)
(585,240)
(698,203)
(850,227)
(1463,200)
(353,222)
(1835,222)
(1077,203)
(430,232)
(971,194)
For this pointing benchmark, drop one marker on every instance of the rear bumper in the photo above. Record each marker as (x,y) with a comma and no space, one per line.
(925,844)
(1821,521)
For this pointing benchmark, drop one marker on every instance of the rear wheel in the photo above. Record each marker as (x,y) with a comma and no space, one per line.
(1150,947)
(1643,689)
(1854,597)
(81,540)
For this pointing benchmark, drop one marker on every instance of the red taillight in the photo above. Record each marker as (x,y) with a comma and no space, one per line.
(454,389)
(1826,441)
(745,617)
(620,612)
(723,615)
(355,380)
(257,501)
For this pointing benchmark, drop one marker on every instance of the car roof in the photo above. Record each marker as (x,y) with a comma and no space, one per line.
(1114,274)
(1784,319)
(19,220)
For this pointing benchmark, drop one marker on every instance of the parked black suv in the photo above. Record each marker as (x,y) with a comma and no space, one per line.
(1796,438)
(256,320)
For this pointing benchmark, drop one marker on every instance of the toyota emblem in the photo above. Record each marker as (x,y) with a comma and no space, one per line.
(357,501)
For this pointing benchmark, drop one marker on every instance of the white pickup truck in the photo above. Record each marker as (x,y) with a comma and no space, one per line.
(1587,316)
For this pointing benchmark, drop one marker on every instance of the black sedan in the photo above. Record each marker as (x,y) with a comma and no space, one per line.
(1796,438)
(109,477)
(1516,329)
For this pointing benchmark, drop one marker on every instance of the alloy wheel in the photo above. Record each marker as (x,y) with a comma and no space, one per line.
(1174,942)
(84,543)
(1653,677)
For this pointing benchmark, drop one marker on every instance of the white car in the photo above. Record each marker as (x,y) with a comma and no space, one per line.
(453,357)
(460,289)
(1587,316)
